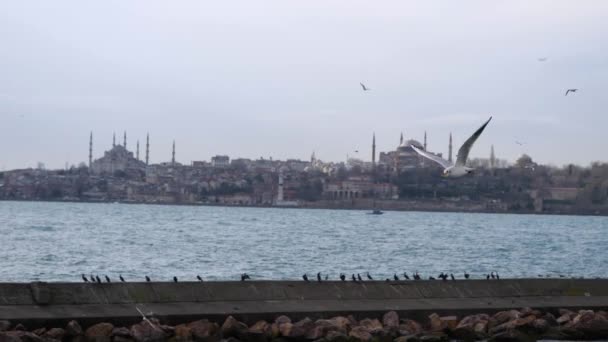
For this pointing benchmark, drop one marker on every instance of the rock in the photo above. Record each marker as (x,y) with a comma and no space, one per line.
(436,323)
(512,335)
(39,331)
(231,339)
(298,329)
(408,338)
(282,319)
(353,321)
(4,325)
(563,319)
(373,326)
(55,333)
(433,338)
(73,329)
(502,317)
(274,329)
(203,330)
(450,322)
(343,324)
(472,327)
(411,326)
(285,329)
(147,332)
(521,324)
(121,331)
(565,312)
(99,332)
(591,325)
(261,331)
(391,320)
(122,339)
(234,328)
(183,333)
(19,336)
(550,319)
(19,327)
(360,333)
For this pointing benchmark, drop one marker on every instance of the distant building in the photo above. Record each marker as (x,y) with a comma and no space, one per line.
(116,159)
(220,161)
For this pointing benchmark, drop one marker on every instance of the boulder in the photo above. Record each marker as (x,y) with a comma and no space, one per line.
(19,336)
(99,332)
(391,320)
(563,319)
(122,339)
(540,325)
(408,338)
(259,332)
(550,319)
(566,312)
(511,335)
(19,327)
(9,336)
(147,331)
(203,330)
(4,325)
(410,326)
(183,333)
(343,324)
(435,337)
(436,323)
(373,326)
(39,331)
(360,333)
(55,333)
(472,327)
(502,317)
(296,330)
(121,331)
(591,325)
(282,319)
(520,324)
(234,328)
(73,329)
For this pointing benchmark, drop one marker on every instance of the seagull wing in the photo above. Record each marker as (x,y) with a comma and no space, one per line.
(463,152)
(363,86)
(567,91)
(444,163)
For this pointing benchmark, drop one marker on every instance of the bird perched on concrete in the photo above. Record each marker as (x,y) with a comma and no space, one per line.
(452,276)
(147,279)
(364,87)
(174,279)
(245,276)
(199,278)
(327,277)
(342,277)
(431,278)
(405,276)
(85,278)
(305,277)
(319,277)
(98,279)
(416,276)
(487,277)
(466,275)
(121,278)
(572,90)
(369,276)
(395,277)
(108,279)
(492,275)
(458,169)
(359,277)
(354,278)
(497,277)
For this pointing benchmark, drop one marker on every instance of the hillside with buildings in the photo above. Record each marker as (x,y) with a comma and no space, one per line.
(399,179)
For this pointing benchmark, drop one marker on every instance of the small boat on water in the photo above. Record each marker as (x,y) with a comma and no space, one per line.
(376,212)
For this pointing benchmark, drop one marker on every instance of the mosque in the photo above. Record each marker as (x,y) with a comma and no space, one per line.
(404,157)
(119,158)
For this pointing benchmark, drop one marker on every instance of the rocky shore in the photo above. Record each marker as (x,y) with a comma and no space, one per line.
(515,325)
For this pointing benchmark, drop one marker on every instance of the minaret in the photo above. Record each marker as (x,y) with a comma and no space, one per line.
(425,140)
(450,148)
(492,158)
(91,150)
(280,192)
(113,139)
(173,154)
(374,150)
(147,148)
(137,151)
(401,139)
(124,140)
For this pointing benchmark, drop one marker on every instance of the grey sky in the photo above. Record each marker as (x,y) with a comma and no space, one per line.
(281,78)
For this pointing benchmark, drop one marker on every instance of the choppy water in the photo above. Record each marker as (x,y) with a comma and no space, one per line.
(59,241)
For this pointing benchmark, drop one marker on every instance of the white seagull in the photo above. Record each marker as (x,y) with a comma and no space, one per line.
(364,87)
(459,169)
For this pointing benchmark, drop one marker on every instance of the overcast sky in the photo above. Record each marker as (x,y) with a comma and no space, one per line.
(281,78)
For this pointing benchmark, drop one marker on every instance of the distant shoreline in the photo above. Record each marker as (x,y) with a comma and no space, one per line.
(311,206)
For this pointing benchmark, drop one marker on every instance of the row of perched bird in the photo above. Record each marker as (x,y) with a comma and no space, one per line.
(415,276)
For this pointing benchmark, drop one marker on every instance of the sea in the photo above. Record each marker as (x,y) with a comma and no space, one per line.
(50,241)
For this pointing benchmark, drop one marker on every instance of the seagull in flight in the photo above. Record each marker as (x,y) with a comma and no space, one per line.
(542,59)
(364,87)
(459,169)
(573,90)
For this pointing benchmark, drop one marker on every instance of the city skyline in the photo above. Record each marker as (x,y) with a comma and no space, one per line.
(272,79)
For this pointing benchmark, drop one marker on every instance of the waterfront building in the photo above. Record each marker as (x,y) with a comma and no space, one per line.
(116,159)
(220,161)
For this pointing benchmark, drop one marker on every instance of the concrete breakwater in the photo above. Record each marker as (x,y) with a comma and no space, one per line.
(39,304)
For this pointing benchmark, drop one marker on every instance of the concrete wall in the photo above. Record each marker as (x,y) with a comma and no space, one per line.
(52,303)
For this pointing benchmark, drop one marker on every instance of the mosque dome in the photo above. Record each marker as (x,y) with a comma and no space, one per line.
(411,142)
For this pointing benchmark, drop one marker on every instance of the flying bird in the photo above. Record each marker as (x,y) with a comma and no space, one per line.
(542,59)
(459,169)
(364,87)
(573,90)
